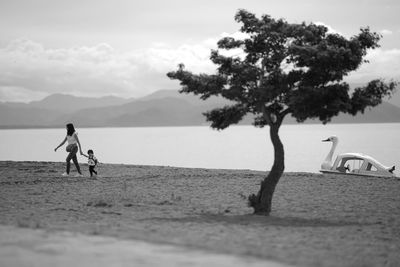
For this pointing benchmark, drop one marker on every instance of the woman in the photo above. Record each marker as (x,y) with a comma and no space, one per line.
(72,148)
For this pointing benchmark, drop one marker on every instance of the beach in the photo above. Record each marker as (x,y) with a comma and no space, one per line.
(316,220)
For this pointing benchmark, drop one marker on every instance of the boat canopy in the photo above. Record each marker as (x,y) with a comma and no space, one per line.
(357,163)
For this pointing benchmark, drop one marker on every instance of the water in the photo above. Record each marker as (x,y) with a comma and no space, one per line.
(240,147)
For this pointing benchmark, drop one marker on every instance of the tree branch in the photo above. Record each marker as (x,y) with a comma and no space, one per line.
(266,114)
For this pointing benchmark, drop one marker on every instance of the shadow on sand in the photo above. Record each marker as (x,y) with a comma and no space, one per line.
(257,220)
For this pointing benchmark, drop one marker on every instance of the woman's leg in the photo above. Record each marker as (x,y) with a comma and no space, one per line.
(72,156)
(68,167)
(75,159)
(68,160)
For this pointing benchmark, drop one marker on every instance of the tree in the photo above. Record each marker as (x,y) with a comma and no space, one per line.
(283,69)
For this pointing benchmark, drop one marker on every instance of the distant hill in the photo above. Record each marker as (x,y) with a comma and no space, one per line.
(135,113)
(14,116)
(68,103)
(162,108)
(192,99)
(395,99)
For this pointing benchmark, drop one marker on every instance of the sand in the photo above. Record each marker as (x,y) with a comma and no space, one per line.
(22,247)
(317,220)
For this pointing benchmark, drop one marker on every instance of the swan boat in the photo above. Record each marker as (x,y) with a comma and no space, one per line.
(354,163)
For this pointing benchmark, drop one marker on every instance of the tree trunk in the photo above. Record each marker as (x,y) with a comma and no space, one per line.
(263,200)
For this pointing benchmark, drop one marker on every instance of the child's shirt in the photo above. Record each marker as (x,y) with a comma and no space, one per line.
(92,161)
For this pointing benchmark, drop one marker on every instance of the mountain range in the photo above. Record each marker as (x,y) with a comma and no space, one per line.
(162,108)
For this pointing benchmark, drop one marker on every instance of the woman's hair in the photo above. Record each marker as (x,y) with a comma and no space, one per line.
(70,129)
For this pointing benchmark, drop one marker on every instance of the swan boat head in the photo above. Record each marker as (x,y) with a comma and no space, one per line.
(328,164)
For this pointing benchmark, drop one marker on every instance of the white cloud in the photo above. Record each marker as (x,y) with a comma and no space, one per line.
(27,68)
(162,59)
(386,32)
(330,29)
(82,71)
(29,71)
(237,35)
(13,94)
(382,64)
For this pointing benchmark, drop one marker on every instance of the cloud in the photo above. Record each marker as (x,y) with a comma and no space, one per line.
(163,58)
(18,94)
(386,32)
(28,66)
(27,69)
(330,29)
(383,64)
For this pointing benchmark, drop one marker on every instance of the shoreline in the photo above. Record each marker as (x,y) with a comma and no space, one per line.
(316,220)
(83,163)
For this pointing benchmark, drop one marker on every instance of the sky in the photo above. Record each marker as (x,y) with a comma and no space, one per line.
(125,47)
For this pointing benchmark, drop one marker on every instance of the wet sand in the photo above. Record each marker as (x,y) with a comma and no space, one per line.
(317,220)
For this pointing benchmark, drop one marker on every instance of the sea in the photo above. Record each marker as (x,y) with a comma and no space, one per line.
(238,147)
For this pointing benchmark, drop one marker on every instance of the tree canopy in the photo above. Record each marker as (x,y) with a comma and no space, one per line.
(286,68)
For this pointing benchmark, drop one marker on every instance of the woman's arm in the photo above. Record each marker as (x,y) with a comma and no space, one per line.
(63,142)
(79,143)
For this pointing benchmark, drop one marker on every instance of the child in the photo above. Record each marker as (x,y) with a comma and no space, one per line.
(92,162)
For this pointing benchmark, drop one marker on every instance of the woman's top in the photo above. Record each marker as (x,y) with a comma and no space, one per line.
(71,139)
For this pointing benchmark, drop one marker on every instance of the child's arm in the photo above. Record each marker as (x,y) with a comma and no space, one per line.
(85,155)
